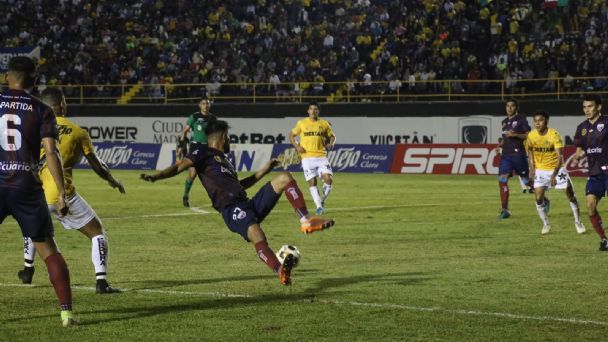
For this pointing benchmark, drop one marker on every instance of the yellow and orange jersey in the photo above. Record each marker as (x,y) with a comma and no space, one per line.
(544,148)
(74,142)
(313,135)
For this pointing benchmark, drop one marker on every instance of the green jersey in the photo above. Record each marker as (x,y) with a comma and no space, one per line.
(198,123)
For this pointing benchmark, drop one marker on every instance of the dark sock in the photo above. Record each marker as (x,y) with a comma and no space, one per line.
(504,195)
(267,255)
(187,187)
(60,278)
(294,196)
(596,221)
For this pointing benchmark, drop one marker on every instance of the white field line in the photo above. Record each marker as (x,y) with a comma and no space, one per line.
(359,304)
(199,211)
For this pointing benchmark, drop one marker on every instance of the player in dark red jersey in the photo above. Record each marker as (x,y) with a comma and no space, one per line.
(25,124)
(591,139)
(241,214)
(513,158)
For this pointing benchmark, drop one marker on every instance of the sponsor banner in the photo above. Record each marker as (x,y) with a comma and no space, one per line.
(7,53)
(575,168)
(344,158)
(349,130)
(481,159)
(132,156)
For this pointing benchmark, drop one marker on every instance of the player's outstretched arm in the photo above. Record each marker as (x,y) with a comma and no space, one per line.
(259,174)
(168,172)
(103,171)
(53,161)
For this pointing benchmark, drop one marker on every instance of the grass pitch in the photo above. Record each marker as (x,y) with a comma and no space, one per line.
(410,258)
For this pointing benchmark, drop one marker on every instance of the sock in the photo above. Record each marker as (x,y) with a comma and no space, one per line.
(314,192)
(187,187)
(60,278)
(504,194)
(294,196)
(326,191)
(267,255)
(99,255)
(596,221)
(540,208)
(29,252)
(575,211)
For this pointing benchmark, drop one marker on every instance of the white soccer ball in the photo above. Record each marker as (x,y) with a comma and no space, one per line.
(287,250)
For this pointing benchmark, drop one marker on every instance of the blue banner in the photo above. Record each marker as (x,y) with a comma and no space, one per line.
(7,53)
(126,156)
(344,158)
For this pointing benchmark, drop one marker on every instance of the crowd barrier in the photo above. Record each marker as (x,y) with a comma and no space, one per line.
(455,159)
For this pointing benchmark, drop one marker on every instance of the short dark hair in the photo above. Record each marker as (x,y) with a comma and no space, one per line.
(514,102)
(542,113)
(313,103)
(214,126)
(593,97)
(52,96)
(24,66)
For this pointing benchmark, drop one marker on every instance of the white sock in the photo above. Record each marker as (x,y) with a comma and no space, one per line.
(99,255)
(314,192)
(326,190)
(29,252)
(543,215)
(576,212)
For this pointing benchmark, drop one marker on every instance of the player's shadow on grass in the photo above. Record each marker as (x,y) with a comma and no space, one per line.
(308,295)
(164,283)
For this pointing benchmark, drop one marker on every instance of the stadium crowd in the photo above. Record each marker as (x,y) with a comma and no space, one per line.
(312,42)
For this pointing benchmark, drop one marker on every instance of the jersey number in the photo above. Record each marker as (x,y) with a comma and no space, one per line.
(10,138)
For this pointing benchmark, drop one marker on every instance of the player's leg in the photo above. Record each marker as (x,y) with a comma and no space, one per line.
(267,255)
(576,213)
(99,255)
(505,169)
(539,192)
(31,212)
(326,174)
(29,252)
(188,185)
(595,190)
(284,182)
(311,169)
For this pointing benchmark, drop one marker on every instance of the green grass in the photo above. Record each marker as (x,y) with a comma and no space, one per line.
(410,258)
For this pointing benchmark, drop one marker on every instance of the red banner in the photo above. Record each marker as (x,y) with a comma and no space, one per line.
(458,159)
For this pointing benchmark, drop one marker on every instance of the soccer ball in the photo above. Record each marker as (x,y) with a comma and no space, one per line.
(286,250)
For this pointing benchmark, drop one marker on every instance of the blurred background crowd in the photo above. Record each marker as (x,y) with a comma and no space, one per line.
(291,44)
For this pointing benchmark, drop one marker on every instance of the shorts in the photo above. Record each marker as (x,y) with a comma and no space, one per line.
(315,167)
(78,216)
(193,146)
(597,185)
(542,179)
(29,208)
(239,217)
(514,162)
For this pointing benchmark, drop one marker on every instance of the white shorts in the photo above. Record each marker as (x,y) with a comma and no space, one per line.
(78,216)
(315,167)
(542,179)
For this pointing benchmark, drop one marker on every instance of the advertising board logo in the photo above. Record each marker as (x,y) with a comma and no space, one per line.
(474,130)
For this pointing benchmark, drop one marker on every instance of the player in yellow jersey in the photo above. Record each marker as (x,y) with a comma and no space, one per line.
(73,143)
(545,152)
(315,138)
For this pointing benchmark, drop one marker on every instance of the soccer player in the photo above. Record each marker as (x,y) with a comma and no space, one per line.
(513,158)
(241,214)
(25,124)
(545,151)
(315,138)
(197,122)
(591,139)
(73,143)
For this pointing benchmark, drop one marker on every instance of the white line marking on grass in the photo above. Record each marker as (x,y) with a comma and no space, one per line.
(199,210)
(360,304)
